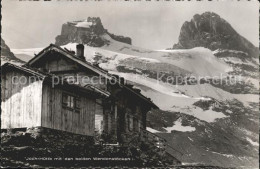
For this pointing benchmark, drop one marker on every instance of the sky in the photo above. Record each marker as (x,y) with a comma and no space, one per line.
(152,25)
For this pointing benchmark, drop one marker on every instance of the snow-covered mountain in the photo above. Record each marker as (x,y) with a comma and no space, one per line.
(214,124)
(211,31)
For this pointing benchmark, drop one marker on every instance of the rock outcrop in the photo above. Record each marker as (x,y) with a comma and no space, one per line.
(7,55)
(211,31)
(40,147)
(5,50)
(87,31)
(120,38)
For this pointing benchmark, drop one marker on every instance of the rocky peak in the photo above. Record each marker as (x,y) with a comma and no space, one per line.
(88,31)
(7,55)
(5,50)
(211,31)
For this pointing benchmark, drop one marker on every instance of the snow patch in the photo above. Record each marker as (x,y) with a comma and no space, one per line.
(200,61)
(227,50)
(149,60)
(179,127)
(247,132)
(255,82)
(152,130)
(229,111)
(216,93)
(190,139)
(226,155)
(152,83)
(252,142)
(207,115)
(83,24)
(236,61)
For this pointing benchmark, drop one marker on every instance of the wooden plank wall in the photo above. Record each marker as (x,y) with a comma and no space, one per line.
(55,116)
(60,65)
(56,62)
(85,78)
(131,118)
(21,102)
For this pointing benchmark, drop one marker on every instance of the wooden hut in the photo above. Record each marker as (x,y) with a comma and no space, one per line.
(31,99)
(124,108)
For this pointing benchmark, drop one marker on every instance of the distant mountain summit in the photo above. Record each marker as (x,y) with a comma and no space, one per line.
(89,32)
(213,32)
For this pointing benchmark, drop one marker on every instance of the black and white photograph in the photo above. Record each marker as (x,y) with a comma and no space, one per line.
(130,84)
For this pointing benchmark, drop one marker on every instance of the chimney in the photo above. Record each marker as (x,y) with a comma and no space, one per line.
(122,80)
(80,51)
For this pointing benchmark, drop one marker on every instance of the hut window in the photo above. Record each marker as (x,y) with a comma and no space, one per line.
(136,124)
(70,101)
(64,99)
(77,103)
(130,123)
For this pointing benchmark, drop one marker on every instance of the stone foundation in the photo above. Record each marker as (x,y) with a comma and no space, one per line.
(52,137)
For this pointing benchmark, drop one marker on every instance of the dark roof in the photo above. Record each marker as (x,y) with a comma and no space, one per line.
(106,93)
(90,66)
(48,77)
(26,69)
